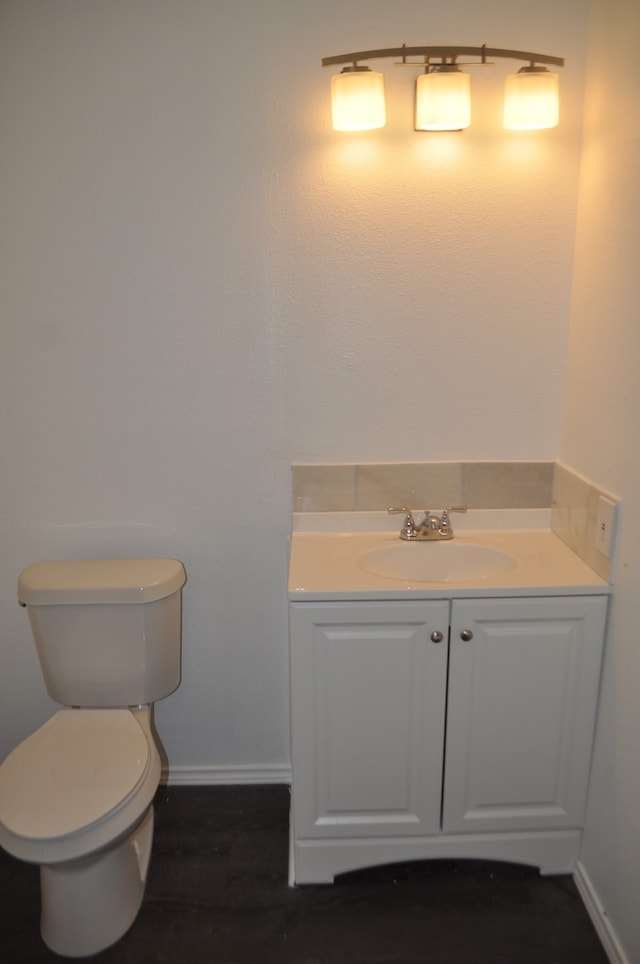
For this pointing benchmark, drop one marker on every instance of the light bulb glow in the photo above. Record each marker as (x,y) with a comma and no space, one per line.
(531,101)
(443,101)
(357,100)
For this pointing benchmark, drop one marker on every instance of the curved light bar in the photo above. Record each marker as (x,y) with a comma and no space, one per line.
(442,95)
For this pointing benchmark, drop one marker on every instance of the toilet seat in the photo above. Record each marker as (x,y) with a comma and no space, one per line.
(72,773)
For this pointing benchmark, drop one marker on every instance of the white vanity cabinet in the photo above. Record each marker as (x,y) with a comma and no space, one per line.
(368,694)
(440,728)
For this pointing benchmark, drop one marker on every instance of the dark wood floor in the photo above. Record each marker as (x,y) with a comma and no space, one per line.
(217,892)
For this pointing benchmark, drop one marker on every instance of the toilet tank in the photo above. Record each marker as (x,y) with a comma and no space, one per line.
(107,631)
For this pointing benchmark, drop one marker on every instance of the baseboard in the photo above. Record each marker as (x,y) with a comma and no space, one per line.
(221,775)
(599,917)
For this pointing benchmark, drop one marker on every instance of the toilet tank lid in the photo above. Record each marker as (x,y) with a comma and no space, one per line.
(90,581)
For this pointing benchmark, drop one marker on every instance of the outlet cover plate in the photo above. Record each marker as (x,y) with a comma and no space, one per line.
(605,526)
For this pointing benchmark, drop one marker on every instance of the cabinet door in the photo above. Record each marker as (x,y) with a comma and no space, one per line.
(521,712)
(368,692)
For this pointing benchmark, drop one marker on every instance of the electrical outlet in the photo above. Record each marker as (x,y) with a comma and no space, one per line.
(605,526)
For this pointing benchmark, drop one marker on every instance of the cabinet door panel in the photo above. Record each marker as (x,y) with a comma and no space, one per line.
(368,706)
(521,712)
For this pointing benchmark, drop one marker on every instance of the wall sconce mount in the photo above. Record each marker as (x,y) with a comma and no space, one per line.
(443,90)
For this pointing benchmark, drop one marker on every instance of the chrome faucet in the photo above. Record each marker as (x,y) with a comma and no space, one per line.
(433,527)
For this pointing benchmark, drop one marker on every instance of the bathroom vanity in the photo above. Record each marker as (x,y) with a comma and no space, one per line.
(442,719)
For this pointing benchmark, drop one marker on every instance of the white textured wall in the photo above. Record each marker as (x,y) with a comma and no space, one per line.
(201,283)
(600,437)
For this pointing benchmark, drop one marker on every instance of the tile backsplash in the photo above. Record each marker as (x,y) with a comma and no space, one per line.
(574,517)
(479,485)
(428,485)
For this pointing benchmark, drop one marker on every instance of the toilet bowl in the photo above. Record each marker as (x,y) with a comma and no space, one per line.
(76,798)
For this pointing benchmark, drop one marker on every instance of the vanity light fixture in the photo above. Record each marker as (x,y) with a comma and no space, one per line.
(357,99)
(443,99)
(531,99)
(443,90)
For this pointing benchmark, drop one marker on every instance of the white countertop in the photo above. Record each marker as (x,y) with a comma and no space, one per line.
(325,549)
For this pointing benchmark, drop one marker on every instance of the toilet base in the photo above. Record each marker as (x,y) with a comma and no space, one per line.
(89,904)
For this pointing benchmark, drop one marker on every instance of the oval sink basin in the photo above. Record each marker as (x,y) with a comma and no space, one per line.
(436,562)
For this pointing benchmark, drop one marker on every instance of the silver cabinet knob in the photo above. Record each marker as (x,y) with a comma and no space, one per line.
(437,636)
(466,634)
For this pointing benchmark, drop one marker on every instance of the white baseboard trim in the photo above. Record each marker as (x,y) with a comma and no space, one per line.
(599,917)
(223,775)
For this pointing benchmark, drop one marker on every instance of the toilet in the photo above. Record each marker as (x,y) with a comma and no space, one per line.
(76,796)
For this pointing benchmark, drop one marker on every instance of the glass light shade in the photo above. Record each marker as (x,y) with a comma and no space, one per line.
(357,100)
(531,100)
(443,101)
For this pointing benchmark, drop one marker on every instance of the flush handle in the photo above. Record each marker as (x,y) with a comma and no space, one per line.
(466,635)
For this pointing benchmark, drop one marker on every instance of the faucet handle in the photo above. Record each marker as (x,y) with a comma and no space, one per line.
(408,530)
(444,521)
